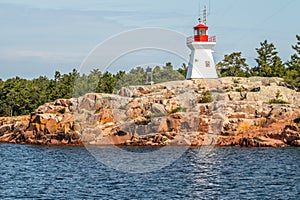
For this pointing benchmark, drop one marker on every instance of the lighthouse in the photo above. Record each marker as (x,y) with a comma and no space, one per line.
(201,64)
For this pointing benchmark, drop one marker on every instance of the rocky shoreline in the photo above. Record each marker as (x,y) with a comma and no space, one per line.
(229,111)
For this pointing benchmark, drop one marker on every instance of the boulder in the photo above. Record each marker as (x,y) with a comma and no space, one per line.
(296,143)
(126,92)
(174,122)
(158,108)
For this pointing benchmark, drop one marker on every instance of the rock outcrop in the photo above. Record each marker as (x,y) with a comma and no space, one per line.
(224,112)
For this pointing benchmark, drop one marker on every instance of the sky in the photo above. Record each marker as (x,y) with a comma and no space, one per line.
(39,37)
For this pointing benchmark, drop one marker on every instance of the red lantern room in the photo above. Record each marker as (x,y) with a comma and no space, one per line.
(200,33)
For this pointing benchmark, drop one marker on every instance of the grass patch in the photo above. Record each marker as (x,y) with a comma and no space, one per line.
(154,115)
(178,109)
(277,101)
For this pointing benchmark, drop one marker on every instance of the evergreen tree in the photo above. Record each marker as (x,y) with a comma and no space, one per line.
(293,66)
(166,73)
(269,64)
(183,70)
(107,83)
(233,65)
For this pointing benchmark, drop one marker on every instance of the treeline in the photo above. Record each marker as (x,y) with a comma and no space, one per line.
(269,64)
(20,96)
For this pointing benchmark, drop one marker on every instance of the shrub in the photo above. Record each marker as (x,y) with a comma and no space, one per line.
(206,97)
(178,109)
(277,101)
(239,89)
(154,115)
(62,111)
(236,80)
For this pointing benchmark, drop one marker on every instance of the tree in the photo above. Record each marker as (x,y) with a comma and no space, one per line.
(107,83)
(57,76)
(233,65)
(269,64)
(15,97)
(293,66)
(166,73)
(183,70)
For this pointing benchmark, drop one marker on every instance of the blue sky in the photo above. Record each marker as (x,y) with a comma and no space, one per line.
(38,37)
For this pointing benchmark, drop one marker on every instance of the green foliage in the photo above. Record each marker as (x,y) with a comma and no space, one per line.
(233,65)
(178,109)
(293,66)
(239,89)
(183,70)
(20,96)
(236,80)
(137,76)
(87,83)
(107,82)
(154,115)
(277,101)
(62,110)
(205,97)
(269,64)
(166,73)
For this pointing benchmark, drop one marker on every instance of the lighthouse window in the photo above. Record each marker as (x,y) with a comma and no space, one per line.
(200,32)
(207,63)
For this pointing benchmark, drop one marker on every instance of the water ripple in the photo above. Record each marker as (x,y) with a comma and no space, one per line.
(220,173)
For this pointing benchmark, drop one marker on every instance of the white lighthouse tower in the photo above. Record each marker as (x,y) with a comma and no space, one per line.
(201,64)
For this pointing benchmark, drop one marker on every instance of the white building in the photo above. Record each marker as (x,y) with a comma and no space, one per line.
(201,64)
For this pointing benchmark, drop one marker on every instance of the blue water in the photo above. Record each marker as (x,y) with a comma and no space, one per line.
(224,173)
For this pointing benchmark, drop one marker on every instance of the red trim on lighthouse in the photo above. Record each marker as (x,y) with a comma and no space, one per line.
(201,38)
(201,33)
(201,26)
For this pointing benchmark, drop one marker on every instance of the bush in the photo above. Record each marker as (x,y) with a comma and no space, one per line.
(277,101)
(206,97)
(236,80)
(154,115)
(239,89)
(62,111)
(178,109)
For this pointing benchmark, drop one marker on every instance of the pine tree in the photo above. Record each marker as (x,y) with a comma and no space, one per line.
(183,70)
(233,65)
(269,63)
(293,66)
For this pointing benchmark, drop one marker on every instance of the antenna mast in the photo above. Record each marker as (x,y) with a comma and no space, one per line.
(204,15)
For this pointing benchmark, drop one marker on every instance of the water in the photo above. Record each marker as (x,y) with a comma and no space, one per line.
(224,173)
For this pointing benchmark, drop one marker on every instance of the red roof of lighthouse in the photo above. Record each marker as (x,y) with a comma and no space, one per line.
(201,26)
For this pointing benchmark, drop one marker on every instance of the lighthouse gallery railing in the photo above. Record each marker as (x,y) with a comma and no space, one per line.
(210,39)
